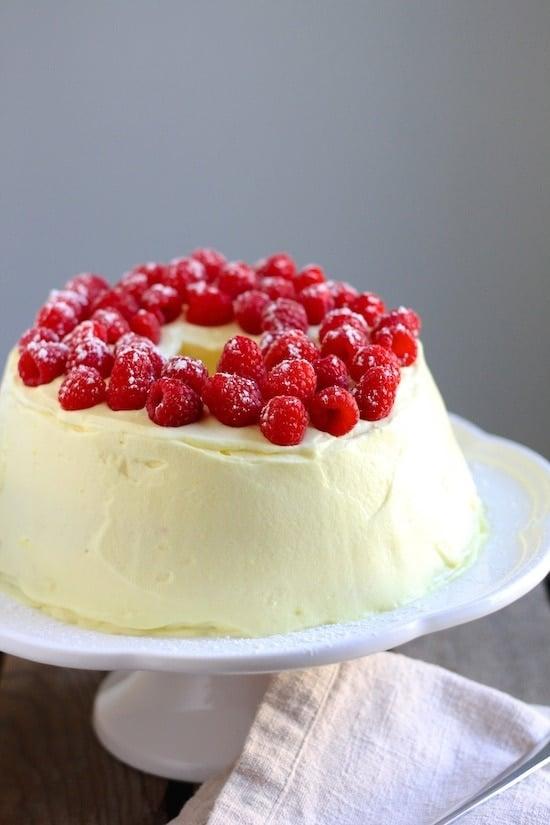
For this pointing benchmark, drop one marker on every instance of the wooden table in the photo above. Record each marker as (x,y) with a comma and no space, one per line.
(53,772)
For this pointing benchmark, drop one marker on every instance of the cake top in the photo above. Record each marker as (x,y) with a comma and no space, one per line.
(312,351)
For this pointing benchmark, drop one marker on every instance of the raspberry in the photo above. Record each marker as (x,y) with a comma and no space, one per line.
(146,323)
(339,317)
(113,322)
(82,388)
(249,307)
(402,315)
(163,301)
(372,355)
(342,292)
(308,276)
(290,345)
(35,334)
(91,352)
(152,270)
(131,342)
(170,403)
(242,356)
(236,277)
(400,340)
(181,273)
(317,301)
(90,285)
(370,306)
(189,370)
(135,283)
(334,410)
(78,301)
(283,420)
(344,342)
(117,298)
(277,287)
(284,314)
(208,305)
(212,261)
(296,378)
(41,362)
(58,316)
(232,399)
(269,338)
(86,329)
(375,393)
(331,372)
(280,265)
(132,375)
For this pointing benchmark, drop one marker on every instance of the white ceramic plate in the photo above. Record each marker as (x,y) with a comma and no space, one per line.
(514,484)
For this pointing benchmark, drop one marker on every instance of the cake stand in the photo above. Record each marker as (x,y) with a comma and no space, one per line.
(181,708)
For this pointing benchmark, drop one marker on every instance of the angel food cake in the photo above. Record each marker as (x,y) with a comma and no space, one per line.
(209,447)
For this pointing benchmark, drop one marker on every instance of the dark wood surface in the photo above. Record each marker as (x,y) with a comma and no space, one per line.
(53,771)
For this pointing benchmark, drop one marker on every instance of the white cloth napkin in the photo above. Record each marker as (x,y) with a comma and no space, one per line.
(385,740)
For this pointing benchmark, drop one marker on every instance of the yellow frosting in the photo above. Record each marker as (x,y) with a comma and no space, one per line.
(106,518)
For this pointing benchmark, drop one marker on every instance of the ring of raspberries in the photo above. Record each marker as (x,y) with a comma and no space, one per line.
(327,356)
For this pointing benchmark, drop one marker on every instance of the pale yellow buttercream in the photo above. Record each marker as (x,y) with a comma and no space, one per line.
(110,519)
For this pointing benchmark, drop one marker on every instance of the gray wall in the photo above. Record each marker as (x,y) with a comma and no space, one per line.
(404,145)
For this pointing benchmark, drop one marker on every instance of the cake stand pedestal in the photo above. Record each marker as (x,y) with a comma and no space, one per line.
(181,708)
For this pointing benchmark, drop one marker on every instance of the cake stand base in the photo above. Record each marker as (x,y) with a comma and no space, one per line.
(176,725)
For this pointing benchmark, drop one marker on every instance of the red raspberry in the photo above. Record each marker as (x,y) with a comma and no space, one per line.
(249,307)
(212,260)
(146,323)
(236,277)
(57,315)
(295,378)
(208,305)
(163,301)
(400,340)
(35,334)
(290,345)
(153,271)
(181,273)
(269,338)
(339,317)
(344,342)
(170,403)
(91,352)
(372,355)
(117,298)
(308,276)
(277,287)
(41,362)
(131,342)
(317,301)
(79,302)
(284,314)
(82,388)
(242,356)
(334,410)
(370,306)
(283,420)
(280,265)
(189,370)
(135,283)
(86,329)
(232,399)
(132,375)
(342,292)
(331,372)
(92,286)
(113,322)
(402,315)
(375,393)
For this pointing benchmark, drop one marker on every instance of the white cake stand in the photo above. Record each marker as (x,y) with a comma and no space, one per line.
(181,708)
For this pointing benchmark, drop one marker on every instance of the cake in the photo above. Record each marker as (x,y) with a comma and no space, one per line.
(313,478)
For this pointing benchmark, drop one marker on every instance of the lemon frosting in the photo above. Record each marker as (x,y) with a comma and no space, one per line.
(107,519)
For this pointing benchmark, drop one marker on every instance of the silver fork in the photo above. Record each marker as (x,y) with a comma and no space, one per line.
(536,758)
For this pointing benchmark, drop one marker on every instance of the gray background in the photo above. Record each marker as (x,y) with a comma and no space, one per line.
(405,146)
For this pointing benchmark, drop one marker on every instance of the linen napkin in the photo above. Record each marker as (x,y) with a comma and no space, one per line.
(382,740)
